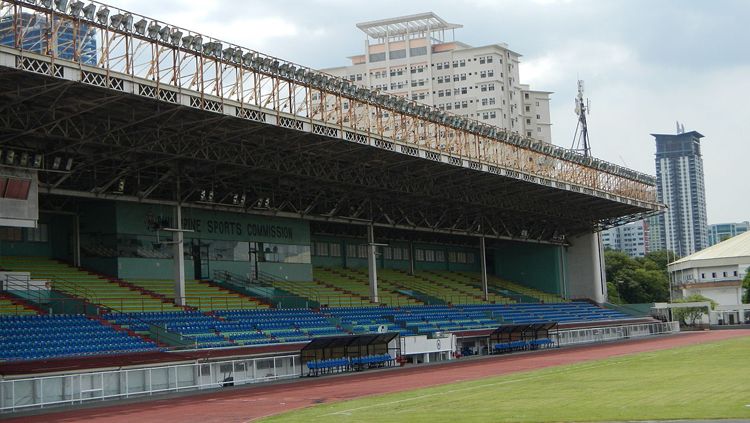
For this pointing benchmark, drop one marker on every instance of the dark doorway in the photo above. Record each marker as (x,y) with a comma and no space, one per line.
(199,252)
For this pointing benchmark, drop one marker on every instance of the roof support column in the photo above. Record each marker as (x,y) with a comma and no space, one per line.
(372,263)
(179,258)
(411,258)
(483,262)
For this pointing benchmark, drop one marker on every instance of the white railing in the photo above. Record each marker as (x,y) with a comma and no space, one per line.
(602,334)
(39,392)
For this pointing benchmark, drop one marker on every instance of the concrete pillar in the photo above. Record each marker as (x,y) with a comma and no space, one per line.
(483,262)
(179,259)
(372,263)
(585,270)
(77,246)
(411,258)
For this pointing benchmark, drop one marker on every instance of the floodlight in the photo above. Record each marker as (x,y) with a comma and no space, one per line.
(75,8)
(203,195)
(197,43)
(102,15)
(243,198)
(37,163)
(164,34)
(69,164)
(235,199)
(247,59)
(176,36)
(89,11)
(24,159)
(187,41)
(154,30)
(140,27)
(121,185)
(56,163)
(212,48)
(237,56)
(61,5)
(211,196)
(10,157)
(228,53)
(127,23)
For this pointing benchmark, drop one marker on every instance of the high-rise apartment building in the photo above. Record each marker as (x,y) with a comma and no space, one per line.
(723,231)
(631,238)
(417,57)
(67,43)
(680,186)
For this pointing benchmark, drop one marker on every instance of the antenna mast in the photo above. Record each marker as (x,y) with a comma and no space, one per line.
(581,136)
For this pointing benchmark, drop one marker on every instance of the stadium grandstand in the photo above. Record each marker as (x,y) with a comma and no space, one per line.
(167,197)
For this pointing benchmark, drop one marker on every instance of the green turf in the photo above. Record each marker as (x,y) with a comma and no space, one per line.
(709,381)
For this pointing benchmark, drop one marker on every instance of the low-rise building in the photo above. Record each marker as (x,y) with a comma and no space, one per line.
(716,273)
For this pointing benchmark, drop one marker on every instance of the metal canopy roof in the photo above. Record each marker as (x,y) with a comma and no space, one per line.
(421,22)
(112,135)
(350,341)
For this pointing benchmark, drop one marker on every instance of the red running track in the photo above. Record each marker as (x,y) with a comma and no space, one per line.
(242,404)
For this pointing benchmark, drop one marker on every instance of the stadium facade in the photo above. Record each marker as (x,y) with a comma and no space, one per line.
(185,193)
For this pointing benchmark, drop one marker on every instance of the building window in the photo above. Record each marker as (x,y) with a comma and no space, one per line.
(334,249)
(397,54)
(37,234)
(419,254)
(377,57)
(440,256)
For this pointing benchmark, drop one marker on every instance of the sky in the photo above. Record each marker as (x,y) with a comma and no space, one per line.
(646,64)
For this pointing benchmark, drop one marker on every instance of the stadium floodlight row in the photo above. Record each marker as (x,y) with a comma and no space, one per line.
(138,46)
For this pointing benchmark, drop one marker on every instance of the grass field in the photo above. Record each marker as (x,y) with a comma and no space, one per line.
(709,381)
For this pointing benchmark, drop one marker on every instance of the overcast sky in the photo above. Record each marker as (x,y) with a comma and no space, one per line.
(645,64)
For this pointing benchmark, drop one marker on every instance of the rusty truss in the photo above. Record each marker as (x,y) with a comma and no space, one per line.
(133,100)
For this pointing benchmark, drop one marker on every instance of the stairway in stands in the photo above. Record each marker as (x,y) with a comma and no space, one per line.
(10,305)
(512,287)
(323,293)
(83,284)
(201,294)
(459,282)
(357,282)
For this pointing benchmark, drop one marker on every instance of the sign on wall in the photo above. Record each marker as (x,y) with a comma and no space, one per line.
(146,219)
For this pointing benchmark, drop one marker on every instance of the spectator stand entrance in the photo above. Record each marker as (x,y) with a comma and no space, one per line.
(530,336)
(336,354)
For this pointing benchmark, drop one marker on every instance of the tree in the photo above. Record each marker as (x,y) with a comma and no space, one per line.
(690,315)
(641,280)
(746,285)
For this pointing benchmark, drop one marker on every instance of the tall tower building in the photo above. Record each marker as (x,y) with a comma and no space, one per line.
(680,186)
(417,57)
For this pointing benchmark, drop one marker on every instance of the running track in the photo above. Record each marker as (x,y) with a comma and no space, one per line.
(244,404)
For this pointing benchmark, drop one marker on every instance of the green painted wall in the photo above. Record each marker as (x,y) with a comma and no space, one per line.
(59,242)
(382,262)
(207,224)
(534,265)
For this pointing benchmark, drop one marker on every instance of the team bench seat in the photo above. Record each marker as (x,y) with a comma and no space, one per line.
(336,365)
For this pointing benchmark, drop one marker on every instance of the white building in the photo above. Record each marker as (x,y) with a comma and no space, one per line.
(411,56)
(631,238)
(716,273)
